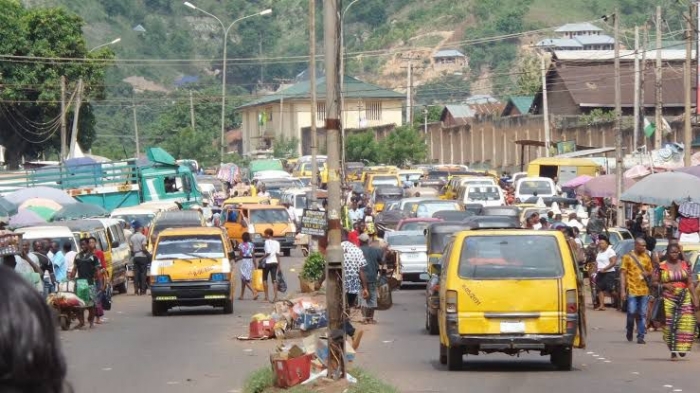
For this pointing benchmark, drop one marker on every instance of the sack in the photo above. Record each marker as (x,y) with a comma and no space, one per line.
(384,300)
(281,283)
(82,289)
(658,312)
(107,298)
(257,280)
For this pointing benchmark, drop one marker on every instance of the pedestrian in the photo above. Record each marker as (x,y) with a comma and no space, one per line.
(101,283)
(87,267)
(270,263)
(374,258)
(355,213)
(70,259)
(674,276)
(31,359)
(127,230)
(574,222)
(354,235)
(262,191)
(60,266)
(247,250)
(544,224)
(635,281)
(53,248)
(137,244)
(45,264)
(605,276)
(354,281)
(27,265)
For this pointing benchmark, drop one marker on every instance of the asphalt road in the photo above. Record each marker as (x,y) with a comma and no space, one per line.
(196,350)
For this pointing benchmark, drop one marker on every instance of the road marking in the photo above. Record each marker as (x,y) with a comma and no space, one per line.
(107,369)
(668,386)
(635,372)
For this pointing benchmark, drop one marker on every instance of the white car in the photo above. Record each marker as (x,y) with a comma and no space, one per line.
(411,253)
(528,187)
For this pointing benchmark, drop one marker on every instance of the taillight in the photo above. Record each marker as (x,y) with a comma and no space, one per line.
(571,301)
(451,301)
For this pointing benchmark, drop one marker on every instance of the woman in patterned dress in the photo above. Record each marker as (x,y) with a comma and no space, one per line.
(247,249)
(674,276)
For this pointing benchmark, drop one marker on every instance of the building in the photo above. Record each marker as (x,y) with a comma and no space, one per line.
(286,112)
(234,141)
(518,106)
(571,30)
(456,115)
(476,108)
(578,36)
(450,58)
(559,44)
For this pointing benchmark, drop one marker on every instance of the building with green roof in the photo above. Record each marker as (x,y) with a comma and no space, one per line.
(286,112)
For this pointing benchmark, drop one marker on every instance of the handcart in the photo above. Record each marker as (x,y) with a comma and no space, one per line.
(67,304)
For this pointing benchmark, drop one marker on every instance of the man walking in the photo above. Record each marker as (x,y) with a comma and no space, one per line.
(137,244)
(271,262)
(354,281)
(373,257)
(635,278)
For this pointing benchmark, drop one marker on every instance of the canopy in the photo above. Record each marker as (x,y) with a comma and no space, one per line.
(7,208)
(577,181)
(43,202)
(603,186)
(691,170)
(26,218)
(78,211)
(20,196)
(663,189)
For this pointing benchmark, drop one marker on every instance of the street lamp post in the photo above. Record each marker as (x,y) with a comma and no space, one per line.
(223,77)
(342,86)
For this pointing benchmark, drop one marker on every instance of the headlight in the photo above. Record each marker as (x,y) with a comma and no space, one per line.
(162,279)
(290,234)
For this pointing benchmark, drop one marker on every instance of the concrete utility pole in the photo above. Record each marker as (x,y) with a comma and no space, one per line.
(313,246)
(76,117)
(642,108)
(136,126)
(658,133)
(618,123)
(545,107)
(335,293)
(637,80)
(687,126)
(192,119)
(409,94)
(64,128)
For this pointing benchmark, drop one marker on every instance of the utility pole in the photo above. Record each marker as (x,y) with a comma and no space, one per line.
(64,128)
(192,120)
(76,116)
(313,246)
(136,125)
(637,80)
(335,293)
(658,132)
(409,94)
(425,133)
(618,122)
(545,106)
(642,108)
(687,126)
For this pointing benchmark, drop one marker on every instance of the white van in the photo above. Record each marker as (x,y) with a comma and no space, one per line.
(297,199)
(527,187)
(484,195)
(60,234)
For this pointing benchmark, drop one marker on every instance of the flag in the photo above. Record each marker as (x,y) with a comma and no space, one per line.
(649,128)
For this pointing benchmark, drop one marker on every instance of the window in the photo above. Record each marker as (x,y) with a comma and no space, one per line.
(190,246)
(374,110)
(321,111)
(497,257)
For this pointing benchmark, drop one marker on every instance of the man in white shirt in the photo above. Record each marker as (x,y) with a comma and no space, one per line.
(271,262)
(290,210)
(574,222)
(355,213)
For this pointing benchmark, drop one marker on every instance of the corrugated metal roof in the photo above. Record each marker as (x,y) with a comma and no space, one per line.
(522,103)
(354,88)
(460,111)
(594,85)
(488,109)
(449,53)
(625,55)
(600,39)
(480,99)
(577,27)
(559,43)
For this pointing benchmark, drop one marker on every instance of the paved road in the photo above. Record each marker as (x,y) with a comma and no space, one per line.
(197,351)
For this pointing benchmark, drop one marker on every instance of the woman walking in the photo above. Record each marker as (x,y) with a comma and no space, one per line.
(675,279)
(247,249)
(606,275)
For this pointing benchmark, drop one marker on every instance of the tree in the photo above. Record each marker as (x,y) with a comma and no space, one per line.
(30,108)
(403,146)
(434,114)
(283,147)
(528,75)
(362,146)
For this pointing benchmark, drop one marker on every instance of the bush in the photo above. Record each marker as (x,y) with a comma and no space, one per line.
(263,380)
(259,381)
(314,267)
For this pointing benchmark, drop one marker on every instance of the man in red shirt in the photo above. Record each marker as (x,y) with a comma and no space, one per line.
(354,235)
(99,284)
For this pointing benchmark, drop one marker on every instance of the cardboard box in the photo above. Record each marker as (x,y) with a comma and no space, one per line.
(291,372)
(260,329)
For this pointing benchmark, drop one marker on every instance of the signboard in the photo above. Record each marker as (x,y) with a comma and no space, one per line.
(314,223)
(566,147)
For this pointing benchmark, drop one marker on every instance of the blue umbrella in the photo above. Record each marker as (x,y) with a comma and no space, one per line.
(7,208)
(78,211)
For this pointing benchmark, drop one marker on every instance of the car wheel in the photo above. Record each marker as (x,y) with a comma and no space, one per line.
(158,309)
(433,327)
(562,358)
(443,354)
(123,287)
(455,358)
(287,252)
(228,306)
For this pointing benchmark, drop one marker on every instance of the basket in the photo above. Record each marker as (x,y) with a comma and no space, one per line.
(10,244)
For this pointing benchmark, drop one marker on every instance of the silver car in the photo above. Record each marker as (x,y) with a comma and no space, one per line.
(411,252)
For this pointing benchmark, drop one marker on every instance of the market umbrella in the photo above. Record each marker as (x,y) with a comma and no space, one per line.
(20,196)
(662,189)
(577,181)
(41,202)
(637,172)
(691,170)
(26,218)
(79,210)
(44,212)
(603,186)
(7,208)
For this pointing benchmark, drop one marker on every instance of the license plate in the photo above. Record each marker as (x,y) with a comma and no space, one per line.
(512,327)
(411,255)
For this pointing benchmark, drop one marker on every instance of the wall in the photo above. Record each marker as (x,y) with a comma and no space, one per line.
(490,144)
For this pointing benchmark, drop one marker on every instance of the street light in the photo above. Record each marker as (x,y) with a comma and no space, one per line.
(115,41)
(223,79)
(342,85)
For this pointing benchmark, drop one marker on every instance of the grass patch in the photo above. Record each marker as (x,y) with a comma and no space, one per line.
(263,381)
